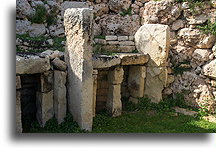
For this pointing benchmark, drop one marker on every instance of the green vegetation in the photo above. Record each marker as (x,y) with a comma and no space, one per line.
(36,43)
(193,4)
(135,51)
(68,126)
(126,12)
(42,16)
(144,117)
(99,37)
(180,67)
(208,28)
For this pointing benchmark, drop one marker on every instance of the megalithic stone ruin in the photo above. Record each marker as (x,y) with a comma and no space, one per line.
(78,30)
(154,39)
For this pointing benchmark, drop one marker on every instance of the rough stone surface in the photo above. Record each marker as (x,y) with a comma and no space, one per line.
(154,39)
(59,64)
(36,30)
(103,61)
(162,12)
(210,118)
(78,29)
(185,111)
(31,65)
(115,76)
(44,103)
(209,69)
(198,19)
(133,58)
(136,81)
(114,105)
(24,7)
(100,9)
(60,95)
(67,4)
(18,113)
(195,38)
(22,26)
(121,25)
(178,24)
(119,5)
(156,80)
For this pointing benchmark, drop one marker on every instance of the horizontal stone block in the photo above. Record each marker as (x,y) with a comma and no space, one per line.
(127,43)
(122,38)
(124,49)
(31,64)
(111,38)
(100,41)
(104,61)
(133,58)
(113,42)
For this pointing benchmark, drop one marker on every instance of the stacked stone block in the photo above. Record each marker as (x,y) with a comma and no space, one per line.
(114,104)
(113,43)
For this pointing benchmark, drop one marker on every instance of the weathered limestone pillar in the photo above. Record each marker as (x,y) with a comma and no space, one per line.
(44,98)
(78,30)
(60,95)
(136,80)
(18,106)
(154,39)
(115,78)
(95,72)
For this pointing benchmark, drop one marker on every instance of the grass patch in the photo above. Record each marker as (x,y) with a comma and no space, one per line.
(142,122)
(43,16)
(126,12)
(99,37)
(179,68)
(68,126)
(208,28)
(145,117)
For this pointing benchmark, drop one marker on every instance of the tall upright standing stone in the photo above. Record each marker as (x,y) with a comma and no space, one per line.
(78,30)
(154,39)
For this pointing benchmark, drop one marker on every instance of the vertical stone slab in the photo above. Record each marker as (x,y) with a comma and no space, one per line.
(44,103)
(114,104)
(136,79)
(46,82)
(18,112)
(154,39)
(95,72)
(60,95)
(78,30)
